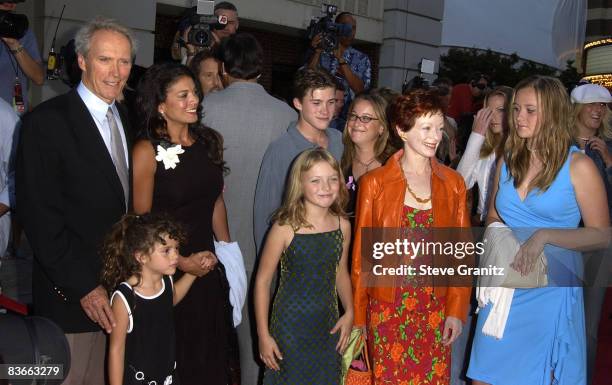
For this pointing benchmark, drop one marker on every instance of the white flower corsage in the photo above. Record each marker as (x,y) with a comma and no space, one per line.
(169,155)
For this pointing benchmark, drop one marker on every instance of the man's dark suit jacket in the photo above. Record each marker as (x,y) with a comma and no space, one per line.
(68,197)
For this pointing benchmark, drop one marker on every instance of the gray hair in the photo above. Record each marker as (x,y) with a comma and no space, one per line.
(82,40)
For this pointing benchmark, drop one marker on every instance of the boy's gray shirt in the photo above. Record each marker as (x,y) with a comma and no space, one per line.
(274,170)
(249,120)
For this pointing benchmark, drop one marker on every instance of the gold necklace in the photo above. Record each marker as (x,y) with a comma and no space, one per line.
(419,200)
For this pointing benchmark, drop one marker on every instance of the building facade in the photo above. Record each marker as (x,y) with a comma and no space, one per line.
(597,56)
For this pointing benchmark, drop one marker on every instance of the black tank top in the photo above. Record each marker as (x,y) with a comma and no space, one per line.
(150,343)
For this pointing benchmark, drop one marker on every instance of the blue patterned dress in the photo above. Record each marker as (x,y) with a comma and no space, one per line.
(544,334)
(305,310)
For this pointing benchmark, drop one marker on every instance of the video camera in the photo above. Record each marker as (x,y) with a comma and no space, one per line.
(13,25)
(203,22)
(330,31)
(419,82)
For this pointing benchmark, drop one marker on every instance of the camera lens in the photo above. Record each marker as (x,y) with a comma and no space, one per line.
(201,37)
(13,25)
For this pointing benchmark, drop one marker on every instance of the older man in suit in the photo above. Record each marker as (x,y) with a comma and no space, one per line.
(72,184)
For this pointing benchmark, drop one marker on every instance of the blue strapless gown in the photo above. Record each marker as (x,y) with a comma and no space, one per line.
(545,333)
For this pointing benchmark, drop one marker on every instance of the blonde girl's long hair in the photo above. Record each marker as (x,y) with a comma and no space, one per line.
(133,234)
(293,210)
(495,142)
(605,129)
(552,139)
(383,148)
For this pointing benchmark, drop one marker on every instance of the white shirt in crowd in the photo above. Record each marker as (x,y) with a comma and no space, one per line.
(8,125)
(98,108)
(475,170)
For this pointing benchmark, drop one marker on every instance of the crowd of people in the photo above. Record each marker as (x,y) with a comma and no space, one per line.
(124,227)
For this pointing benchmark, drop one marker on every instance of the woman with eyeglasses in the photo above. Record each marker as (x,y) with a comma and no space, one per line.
(485,145)
(366,141)
(409,324)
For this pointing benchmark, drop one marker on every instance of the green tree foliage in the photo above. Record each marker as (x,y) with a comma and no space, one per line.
(459,63)
(570,75)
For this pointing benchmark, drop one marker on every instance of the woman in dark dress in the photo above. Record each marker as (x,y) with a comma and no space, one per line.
(367,142)
(178,169)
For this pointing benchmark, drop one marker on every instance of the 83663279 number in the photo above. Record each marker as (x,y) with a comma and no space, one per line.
(31,371)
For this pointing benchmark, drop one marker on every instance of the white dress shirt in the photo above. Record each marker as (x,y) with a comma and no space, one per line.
(473,169)
(8,124)
(98,108)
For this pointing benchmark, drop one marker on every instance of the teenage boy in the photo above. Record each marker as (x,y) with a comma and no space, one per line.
(315,100)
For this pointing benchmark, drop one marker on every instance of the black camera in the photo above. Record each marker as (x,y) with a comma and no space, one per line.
(13,25)
(201,28)
(330,31)
(203,22)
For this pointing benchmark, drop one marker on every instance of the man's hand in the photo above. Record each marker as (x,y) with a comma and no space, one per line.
(11,43)
(191,49)
(32,69)
(315,43)
(98,309)
(338,52)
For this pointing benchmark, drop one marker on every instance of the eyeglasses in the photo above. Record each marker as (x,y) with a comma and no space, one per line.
(363,118)
(480,86)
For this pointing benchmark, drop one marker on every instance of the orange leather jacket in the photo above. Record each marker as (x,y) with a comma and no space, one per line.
(380,202)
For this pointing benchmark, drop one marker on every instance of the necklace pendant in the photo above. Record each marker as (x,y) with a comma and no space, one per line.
(366,164)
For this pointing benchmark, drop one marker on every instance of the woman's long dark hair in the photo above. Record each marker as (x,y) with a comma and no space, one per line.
(152,91)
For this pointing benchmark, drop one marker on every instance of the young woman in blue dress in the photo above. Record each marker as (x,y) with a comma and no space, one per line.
(545,184)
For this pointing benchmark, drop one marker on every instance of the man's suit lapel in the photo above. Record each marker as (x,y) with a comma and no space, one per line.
(91,143)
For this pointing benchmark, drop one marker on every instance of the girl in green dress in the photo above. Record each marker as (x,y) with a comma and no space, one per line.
(302,341)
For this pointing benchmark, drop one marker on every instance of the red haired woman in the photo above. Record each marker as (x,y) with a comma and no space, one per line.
(410,327)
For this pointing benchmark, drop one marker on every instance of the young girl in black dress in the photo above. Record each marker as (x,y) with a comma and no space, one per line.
(140,255)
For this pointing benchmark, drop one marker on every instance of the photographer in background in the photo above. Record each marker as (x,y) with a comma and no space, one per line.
(19,62)
(184,51)
(350,66)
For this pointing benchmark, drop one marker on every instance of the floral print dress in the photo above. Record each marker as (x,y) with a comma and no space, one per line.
(405,337)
